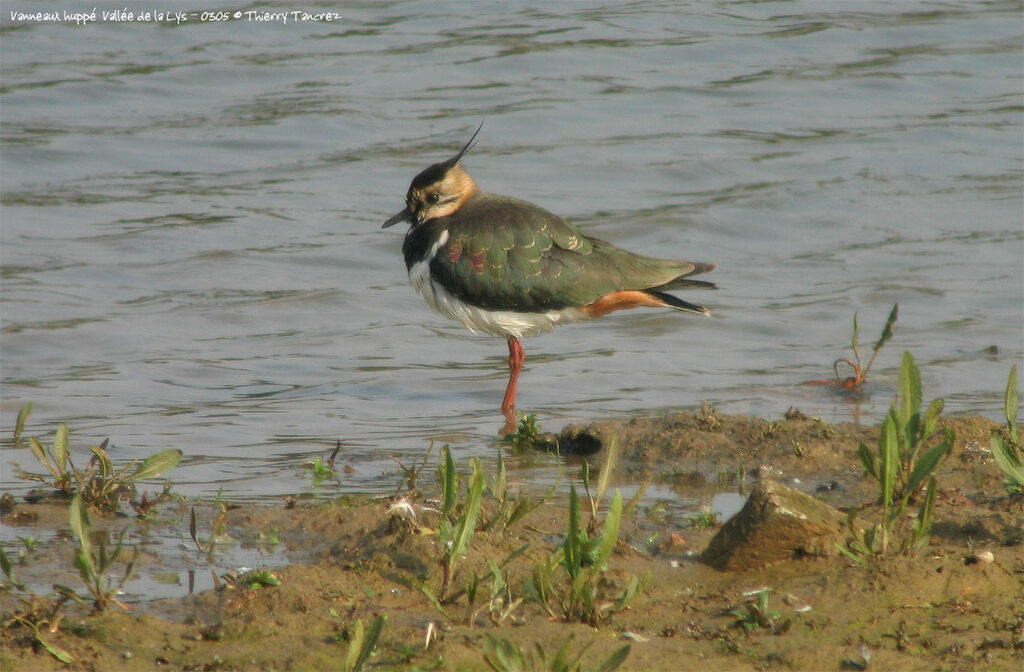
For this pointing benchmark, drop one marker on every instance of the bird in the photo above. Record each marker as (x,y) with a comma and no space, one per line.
(509,268)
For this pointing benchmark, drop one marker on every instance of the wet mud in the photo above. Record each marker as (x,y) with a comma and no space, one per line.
(957,604)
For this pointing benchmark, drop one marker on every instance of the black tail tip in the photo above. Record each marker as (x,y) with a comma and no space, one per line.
(672,301)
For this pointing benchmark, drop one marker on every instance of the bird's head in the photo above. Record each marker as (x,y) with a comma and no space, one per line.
(438,191)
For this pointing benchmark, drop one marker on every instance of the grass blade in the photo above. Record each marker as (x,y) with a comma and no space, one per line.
(54,650)
(572,545)
(106,466)
(512,556)
(40,454)
(523,506)
(82,530)
(606,470)
(931,417)
(610,531)
(855,338)
(923,524)
(369,641)
(910,390)
(542,585)
(500,488)
(634,501)
(615,661)
(1011,405)
(887,329)
(192,526)
(869,460)
(449,483)
(60,447)
(926,465)
(467,522)
(157,464)
(585,477)
(502,655)
(19,425)
(1007,460)
(5,564)
(889,452)
(886,335)
(355,645)
(425,589)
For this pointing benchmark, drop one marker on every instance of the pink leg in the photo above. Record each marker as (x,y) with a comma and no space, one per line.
(516,357)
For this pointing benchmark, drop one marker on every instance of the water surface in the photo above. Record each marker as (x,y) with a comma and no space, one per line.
(191,244)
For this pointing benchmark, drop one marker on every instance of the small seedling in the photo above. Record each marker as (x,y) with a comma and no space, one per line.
(219,532)
(470,589)
(458,519)
(406,652)
(510,512)
(902,464)
(145,508)
(704,519)
(500,604)
(35,612)
(267,541)
(255,579)
(771,429)
(1006,448)
(527,432)
(610,457)
(412,473)
(855,382)
(502,655)
(99,484)
(322,469)
(528,436)
(861,545)
(30,544)
(94,563)
(756,613)
(580,595)
(632,507)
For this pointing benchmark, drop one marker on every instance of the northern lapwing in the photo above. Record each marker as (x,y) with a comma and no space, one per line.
(510,268)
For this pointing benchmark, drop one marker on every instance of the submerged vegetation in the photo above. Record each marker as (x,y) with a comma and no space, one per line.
(529,437)
(855,382)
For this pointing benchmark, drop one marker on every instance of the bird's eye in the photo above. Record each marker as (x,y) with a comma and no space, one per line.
(433,198)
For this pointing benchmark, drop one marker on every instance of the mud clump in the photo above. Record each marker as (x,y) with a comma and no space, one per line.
(776,524)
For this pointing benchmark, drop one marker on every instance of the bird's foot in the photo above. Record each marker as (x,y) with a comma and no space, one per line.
(511,422)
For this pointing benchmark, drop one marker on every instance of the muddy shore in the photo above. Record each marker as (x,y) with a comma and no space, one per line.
(957,604)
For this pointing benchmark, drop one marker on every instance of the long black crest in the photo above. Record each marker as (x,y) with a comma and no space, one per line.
(436,172)
(465,149)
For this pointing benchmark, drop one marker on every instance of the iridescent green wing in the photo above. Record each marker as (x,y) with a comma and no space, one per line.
(519,257)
